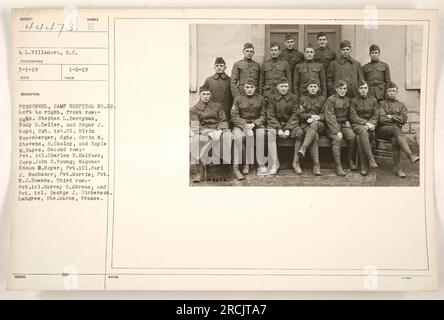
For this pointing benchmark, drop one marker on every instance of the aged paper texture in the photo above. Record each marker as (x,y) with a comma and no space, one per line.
(101,194)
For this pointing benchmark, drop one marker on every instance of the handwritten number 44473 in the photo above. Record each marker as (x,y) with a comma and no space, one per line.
(48,27)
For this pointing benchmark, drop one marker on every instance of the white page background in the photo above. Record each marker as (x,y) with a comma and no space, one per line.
(5,137)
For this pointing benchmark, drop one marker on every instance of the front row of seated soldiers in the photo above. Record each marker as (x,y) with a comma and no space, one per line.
(356,120)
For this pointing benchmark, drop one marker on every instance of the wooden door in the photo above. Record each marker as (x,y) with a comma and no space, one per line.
(303,34)
(332,31)
(277,32)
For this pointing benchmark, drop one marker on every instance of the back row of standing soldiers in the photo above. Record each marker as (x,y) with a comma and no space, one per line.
(319,63)
(299,72)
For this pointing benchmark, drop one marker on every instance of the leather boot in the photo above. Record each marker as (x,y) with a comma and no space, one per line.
(237,174)
(351,143)
(404,145)
(371,162)
(413,158)
(310,135)
(274,169)
(314,153)
(261,170)
(336,150)
(301,151)
(362,158)
(246,169)
(297,168)
(295,164)
(396,154)
(399,172)
(367,148)
(200,174)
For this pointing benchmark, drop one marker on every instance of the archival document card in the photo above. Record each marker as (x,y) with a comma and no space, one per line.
(231,149)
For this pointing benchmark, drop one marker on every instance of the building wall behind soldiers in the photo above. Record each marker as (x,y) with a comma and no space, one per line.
(393,43)
(226,41)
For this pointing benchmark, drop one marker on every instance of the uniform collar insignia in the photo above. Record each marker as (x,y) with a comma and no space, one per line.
(222,75)
(201,105)
(343,60)
(279,96)
(339,97)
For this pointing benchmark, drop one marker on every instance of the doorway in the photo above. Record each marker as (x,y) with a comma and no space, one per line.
(303,34)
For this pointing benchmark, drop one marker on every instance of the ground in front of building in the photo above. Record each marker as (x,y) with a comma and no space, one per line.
(221,175)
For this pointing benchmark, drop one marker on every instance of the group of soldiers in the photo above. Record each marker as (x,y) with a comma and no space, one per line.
(297,95)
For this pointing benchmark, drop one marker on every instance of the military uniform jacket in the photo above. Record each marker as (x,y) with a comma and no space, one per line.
(311,105)
(377,75)
(304,72)
(219,85)
(348,70)
(336,112)
(248,109)
(207,116)
(282,111)
(272,71)
(363,110)
(324,56)
(241,72)
(396,109)
(293,57)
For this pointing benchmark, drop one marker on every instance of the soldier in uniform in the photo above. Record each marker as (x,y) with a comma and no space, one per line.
(291,54)
(209,132)
(248,119)
(312,122)
(324,54)
(243,70)
(392,116)
(364,111)
(344,68)
(219,84)
(272,71)
(307,70)
(377,74)
(337,119)
(282,120)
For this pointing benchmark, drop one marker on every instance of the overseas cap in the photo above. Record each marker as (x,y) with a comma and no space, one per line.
(340,83)
(289,36)
(360,83)
(248,45)
(250,81)
(391,85)
(321,34)
(203,88)
(219,60)
(312,81)
(344,43)
(282,80)
(374,47)
(274,44)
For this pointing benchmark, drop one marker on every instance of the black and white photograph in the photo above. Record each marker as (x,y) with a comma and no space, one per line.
(305,104)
